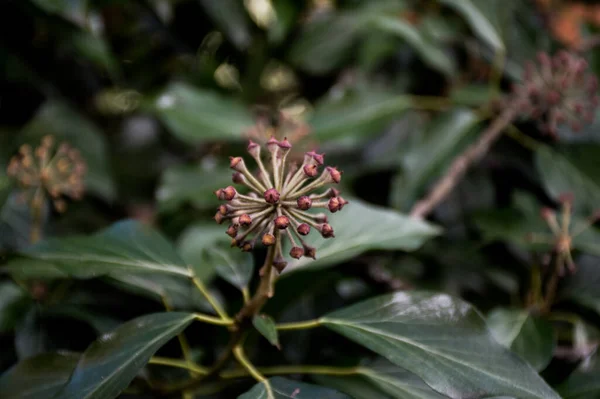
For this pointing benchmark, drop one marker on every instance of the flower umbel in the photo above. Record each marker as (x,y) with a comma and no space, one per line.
(57,171)
(278,201)
(559,89)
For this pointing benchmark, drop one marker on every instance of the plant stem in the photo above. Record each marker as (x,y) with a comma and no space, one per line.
(212,320)
(37,205)
(300,325)
(180,364)
(246,294)
(460,165)
(240,355)
(263,292)
(215,305)
(552,285)
(183,342)
(302,369)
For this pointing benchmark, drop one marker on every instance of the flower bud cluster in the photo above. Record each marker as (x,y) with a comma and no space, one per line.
(557,90)
(278,201)
(58,171)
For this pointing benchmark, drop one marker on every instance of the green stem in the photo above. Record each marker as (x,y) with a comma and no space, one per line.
(240,355)
(212,320)
(302,369)
(215,305)
(37,205)
(180,364)
(300,325)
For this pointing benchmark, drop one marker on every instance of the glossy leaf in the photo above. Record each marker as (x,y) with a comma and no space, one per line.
(266,326)
(481,26)
(193,243)
(284,388)
(574,170)
(441,339)
(65,124)
(39,377)
(529,337)
(195,115)
(14,302)
(125,247)
(582,286)
(360,227)
(443,139)
(583,383)
(431,53)
(235,267)
(111,362)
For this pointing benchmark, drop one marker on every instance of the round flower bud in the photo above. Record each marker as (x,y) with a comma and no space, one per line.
(296,252)
(268,239)
(226,194)
(245,220)
(547,213)
(232,230)
(238,178)
(272,144)
(321,218)
(310,170)
(304,203)
(326,231)
(334,204)
(279,263)
(271,196)
(223,209)
(319,158)
(566,198)
(247,246)
(219,218)
(335,174)
(285,144)
(310,252)
(235,162)
(253,148)
(303,229)
(282,222)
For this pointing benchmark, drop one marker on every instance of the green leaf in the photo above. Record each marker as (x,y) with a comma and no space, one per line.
(381,380)
(65,124)
(266,326)
(432,54)
(285,17)
(441,339)
(39,377)
(582,286)
(230,16)
(480,24)
(361,227)
(5,188)
(196,184)
(362,112)
(14,302)
(574,170)
(192,245)
(284,389)
(235,267)
(75,11)
(111,362)
(529,337)
(326,42)
(195,115)
(443,139)
(583,383)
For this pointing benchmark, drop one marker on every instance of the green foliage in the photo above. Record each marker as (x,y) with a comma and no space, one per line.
(134,290)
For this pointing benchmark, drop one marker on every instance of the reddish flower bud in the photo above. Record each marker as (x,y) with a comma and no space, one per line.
(547,213)
(285,144)
(303,229)
(310,170)
(335,174)
(326,231)
(235,162)
(282,222)
(333,205)
(342,203)
(321,218)
(271,196)
(333,192)
(232,230)
(272,144)
(319,158)
(226,194)
(268,239)
(223,210)
(309,252)
(252,146)
(219,217)
(245,220)
(304,203)
(566,198)
(296,252)
(238,178)
(279,263)
(247,246)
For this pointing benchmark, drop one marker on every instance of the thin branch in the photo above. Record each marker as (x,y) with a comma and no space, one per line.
(213,302)
(461,164)
(301,325)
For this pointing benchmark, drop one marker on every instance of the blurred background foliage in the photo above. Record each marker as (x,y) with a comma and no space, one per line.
(157,93)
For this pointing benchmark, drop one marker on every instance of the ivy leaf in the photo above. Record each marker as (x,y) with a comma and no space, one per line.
(583,383)
(282,388)
(480,24)
(266,326)
(194,115)
(38,377)
(441,339)
(361,227)
(125,247)
(14,303)
(236,267)
(111,362)
(529,337)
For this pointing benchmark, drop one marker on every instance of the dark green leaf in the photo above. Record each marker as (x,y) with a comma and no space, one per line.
(266,326)
(529,337)
(441,339)
(14,302)
(282,388)
(431,53)
(235,267)
(193,243)
(443,139)
(194,115)
(285,14)
(583,383)
(110,363)
(66,125)
(39,377)
(124,248)
(230,16)
(582,286)
(361,227)
(480,24)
